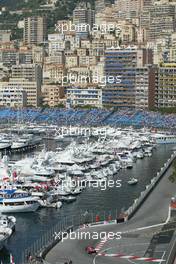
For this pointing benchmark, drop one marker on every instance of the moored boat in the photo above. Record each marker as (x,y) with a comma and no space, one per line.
(12,201)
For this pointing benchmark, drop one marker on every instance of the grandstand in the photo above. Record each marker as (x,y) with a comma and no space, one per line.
(93,117)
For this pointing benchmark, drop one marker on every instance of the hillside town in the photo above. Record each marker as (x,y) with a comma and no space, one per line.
(114,55)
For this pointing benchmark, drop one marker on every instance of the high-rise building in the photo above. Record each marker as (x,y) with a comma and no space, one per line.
(145,87)
(159,21)
(83,14)
(166,86)
(34,30)
(121,70)
(129,8)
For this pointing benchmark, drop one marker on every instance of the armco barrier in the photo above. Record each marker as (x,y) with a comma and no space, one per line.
(149,188)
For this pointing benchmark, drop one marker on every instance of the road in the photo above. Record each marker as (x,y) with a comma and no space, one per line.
(145,235)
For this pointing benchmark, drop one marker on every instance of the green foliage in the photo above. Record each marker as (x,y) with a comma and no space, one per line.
(16,4)
(63,10)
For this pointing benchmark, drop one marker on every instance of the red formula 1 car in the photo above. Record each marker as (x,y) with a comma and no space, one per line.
(90,250)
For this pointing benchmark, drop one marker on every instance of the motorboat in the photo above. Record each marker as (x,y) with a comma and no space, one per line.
(7,221)
(139,155)
(44,172)
(14,201)
(147,152)
(59,191)
(133,181)
(46,203)
(76,191)
(67,199)
(126,162)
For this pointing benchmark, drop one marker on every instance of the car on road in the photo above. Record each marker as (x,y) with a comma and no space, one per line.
(90,250)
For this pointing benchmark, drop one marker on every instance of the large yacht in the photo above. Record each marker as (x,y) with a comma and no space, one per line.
(26,141)
(13,201)
(5,143)
(164,138)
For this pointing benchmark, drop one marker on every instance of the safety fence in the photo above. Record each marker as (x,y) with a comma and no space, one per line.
(51,237)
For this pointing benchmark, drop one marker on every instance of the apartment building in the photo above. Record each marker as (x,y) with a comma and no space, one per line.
(145,87)
(31,88)
(83,14)
(5,36)
(53,73)
(35,30)
(77,96)
(53,95)
(166,86)
(13,96)
(8,57)
(31,72)
(121,72)
(38,54)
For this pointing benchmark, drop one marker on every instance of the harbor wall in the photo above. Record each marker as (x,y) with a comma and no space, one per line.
(148,189)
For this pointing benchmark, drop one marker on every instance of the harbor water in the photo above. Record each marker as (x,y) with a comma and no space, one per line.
(31,226)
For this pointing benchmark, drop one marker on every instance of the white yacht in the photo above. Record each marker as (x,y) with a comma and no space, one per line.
(26,141)
(125,161)
(133,181)
(13,201)
(5,143)
(41,171)
(139,154)
(164,138)
(20,143)
(147,152)
(67,199)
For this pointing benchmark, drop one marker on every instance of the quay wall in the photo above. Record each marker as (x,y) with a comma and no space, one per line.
(149,188)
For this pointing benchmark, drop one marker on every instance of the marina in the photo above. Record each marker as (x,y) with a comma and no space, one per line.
(66,178)
(87,131)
